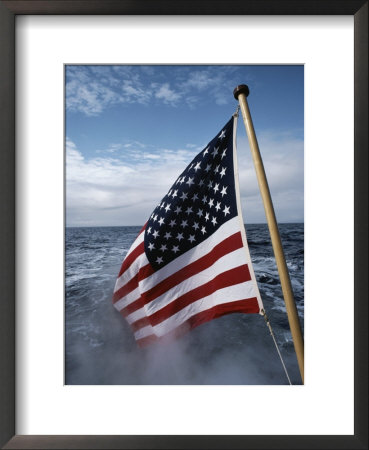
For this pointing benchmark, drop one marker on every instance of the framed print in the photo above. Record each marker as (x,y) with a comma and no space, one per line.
(40,408)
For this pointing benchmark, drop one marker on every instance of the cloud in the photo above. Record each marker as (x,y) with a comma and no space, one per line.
(123,188)
(167,95)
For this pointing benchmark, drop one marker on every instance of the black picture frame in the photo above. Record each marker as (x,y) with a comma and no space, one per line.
(8,11)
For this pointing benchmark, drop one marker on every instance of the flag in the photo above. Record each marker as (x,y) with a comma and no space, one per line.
(190,262)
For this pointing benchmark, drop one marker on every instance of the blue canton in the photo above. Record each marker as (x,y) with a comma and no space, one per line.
(199,202)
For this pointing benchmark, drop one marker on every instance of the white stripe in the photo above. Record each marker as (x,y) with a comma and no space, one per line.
(132,271)
(227,229)
(226,295)
(137,242)
(239,212)
(226,262)
(127,299)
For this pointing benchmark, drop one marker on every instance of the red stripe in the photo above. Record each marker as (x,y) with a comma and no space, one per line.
(228,278)
(229,245)
(247,306)
(132,284)
(131,258)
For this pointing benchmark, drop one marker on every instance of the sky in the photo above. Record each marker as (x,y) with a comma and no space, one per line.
(131,130)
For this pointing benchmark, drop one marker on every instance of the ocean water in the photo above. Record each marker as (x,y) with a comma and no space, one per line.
(234,349)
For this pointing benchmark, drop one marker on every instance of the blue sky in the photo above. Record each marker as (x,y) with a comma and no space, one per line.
(131,130)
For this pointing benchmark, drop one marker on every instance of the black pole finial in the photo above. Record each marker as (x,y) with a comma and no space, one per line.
(241,89)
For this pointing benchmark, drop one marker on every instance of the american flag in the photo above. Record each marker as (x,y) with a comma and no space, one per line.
(190,262)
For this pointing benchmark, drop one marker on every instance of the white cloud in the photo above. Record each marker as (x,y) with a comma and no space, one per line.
(167,95)
(124,190)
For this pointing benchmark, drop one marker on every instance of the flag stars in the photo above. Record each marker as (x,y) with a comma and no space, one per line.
(167,208)
(197,167)
(191,238)
(224,190)
(214,221)
(195,225)
(211,202)
(178,210)
(184,224)
(226,210)
(175,249)
(175,193)
(155,218)
(203,230)
(200,213)
(207,216)
(159,260)
(172,223)
(216,188)
(222,135)
(204,199)
(201,183)
(179,237)
(148,230)
(184,196)
(208,167)
(190,181)
(216,170)
(223,171)
(167,235)
(205,152)
(224,153)
(195,197)
(155,234)
(210,184)
(151,246)
(163,248)
(160,221)
(215,151)
(189,210)
(217,207)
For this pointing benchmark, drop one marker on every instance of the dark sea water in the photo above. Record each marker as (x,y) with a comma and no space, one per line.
(234,349)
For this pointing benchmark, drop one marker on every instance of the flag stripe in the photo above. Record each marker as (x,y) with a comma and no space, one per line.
(131,258)
(226,262)
(222,280)
(228,245)
(248,306)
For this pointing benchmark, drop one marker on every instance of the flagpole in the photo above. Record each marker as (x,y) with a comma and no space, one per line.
(240,93)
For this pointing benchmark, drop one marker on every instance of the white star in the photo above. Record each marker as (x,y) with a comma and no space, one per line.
(224,190)
(172,223)
(170,193)
(211,202)
(204,199)
(191,238)
(222,135)
(162,205)
(215,152)
(197,167)
(207,216)
(181,180)
(155,234)
(155,218)
(175,248)
(210,184)
(161,221)
(148,230)
(216,170)
(195,197)
(214,220)
(199,213)
(226,210)
(151,246)
(190,167)
(178,210)
(175,193)
(216,187)
(159,259)
(167,208)
(222,172)
(184,223)
(224,153)
(163,248)
(208,167)
(203,231)
(201,183)
(189,210)
(195,225)
(179,236)
(189,181)
(217,206)
(183,196)
(167,235)
(205,152)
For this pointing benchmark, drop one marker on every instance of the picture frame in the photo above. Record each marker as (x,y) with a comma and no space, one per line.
(8,11)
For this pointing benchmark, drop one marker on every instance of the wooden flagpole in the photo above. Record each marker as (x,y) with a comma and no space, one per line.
(240,93)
